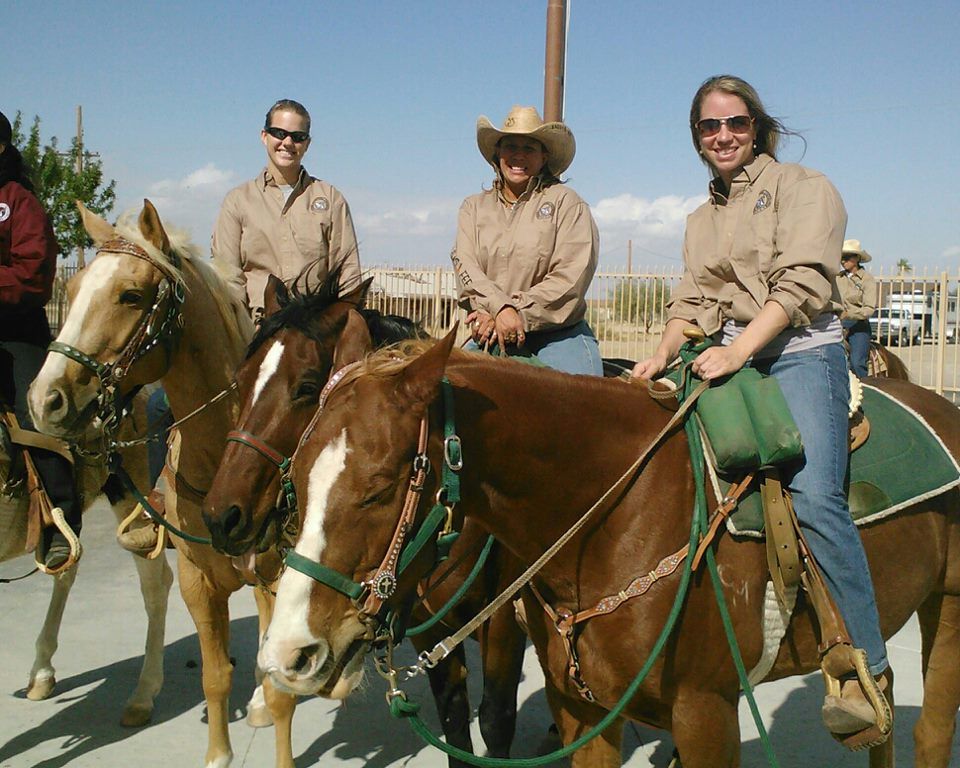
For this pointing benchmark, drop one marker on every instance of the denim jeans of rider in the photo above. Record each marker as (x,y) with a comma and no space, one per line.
(858,337)
(573,349)
(816,386)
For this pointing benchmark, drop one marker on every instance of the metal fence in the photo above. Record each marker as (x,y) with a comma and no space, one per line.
(917,316)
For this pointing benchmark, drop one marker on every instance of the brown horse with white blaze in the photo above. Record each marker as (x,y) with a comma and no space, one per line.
(306,334)
(149,308)
(541,448)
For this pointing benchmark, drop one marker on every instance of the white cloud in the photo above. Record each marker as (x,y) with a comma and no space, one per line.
(654,227)
(422,219)
(951,253)
(190,203)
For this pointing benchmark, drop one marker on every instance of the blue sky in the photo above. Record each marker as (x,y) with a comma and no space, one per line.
(174,93)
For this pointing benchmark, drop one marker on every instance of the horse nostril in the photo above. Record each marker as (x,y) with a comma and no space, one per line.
(303,658)
(55,402)
(231,520)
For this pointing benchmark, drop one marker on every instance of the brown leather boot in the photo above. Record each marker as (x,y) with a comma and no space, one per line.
(140,541)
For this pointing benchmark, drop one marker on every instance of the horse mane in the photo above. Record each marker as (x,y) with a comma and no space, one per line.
(304,307)
(236,321)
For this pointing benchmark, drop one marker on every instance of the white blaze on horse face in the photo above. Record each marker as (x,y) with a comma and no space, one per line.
(289,628)
(268,367)
(96,281)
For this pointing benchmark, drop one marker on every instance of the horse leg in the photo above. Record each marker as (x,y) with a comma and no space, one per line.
(275,707)
(706,730)
(42,675)
(574,717)
(940,628)
(156,578)
(211,616)
(258,712)
(501,646)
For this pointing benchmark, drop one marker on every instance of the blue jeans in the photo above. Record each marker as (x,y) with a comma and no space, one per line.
(573,349)
(815,384)
(159,420)
(858,337)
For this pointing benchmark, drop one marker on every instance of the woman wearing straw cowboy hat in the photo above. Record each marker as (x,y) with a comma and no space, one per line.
(527,248)
(858,292)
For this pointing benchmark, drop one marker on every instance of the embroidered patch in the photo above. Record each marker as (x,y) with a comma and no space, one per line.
(763,200)
(4,211)
(320,204)
(545,211)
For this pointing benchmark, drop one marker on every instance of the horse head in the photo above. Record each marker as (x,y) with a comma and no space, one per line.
(306,333)
(121,327)
(354,465)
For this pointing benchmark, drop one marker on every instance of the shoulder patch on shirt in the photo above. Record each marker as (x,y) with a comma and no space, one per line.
(763,201)
(319,204)
(546,210)
(4,211)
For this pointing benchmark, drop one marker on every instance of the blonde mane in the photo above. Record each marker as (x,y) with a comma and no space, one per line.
(236,321)
(387,361)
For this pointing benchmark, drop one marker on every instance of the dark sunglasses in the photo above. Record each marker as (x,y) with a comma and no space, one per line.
(279,134)
(710,126)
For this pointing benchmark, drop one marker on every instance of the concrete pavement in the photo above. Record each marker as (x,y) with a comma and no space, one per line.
(99,659)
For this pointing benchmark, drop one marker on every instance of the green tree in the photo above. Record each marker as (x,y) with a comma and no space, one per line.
(641,301)
(903,265)
(58,184)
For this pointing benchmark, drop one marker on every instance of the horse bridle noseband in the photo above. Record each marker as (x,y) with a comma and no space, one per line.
(156,328)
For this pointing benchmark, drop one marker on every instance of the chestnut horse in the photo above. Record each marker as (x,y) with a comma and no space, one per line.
(156,578)
(307,333)
(149,308)
(540,448)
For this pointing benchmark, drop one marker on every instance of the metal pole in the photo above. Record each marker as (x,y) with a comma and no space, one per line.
(555,60)
(81,255)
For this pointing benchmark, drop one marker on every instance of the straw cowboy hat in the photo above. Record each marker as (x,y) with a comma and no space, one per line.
(526,121)
(854,247)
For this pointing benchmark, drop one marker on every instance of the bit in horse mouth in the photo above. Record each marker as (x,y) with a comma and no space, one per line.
(332,670)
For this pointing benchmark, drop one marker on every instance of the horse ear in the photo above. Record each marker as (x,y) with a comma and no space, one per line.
(354,341)
(275,295)
(152,229)
(420,380)
(98,228)
(358,295)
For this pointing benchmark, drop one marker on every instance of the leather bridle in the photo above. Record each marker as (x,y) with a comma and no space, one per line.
(159,326)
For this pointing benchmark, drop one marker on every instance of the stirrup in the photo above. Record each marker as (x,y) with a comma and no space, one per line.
(856,727)
(76,550)
(161,531)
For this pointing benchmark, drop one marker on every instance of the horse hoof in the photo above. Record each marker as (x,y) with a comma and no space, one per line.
(136,716)
(40,688)
(259,717)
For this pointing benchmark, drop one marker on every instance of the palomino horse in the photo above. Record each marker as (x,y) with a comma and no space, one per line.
(149,308)
(306,334)
(540,448)
(155,576)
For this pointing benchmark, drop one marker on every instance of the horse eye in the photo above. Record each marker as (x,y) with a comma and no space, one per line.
(378,497)
(307,389)
(131,297)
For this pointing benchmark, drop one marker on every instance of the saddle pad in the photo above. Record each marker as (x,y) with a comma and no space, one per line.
(902,463)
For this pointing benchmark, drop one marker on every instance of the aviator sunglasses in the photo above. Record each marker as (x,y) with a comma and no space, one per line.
(710,126)
(280,134)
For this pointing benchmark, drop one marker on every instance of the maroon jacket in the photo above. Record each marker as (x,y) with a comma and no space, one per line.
(28,263)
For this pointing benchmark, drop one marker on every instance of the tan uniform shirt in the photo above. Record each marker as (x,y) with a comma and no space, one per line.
(537,255)
(777,237)
(258,233)
(858,294)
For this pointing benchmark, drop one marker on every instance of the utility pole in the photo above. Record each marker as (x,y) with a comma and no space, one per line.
(81,156)
(554,70)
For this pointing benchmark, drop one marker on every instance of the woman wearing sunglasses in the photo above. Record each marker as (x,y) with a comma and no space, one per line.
(760,261)
(284,219)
